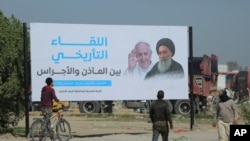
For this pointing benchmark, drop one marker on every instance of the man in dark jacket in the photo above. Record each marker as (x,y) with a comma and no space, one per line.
(166,67)
(160,117)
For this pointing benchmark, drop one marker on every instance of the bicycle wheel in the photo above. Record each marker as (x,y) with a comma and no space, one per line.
(37,129)
(63,130)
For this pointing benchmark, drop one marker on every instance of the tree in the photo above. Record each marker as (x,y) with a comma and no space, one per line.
(232,66)
(246,68)
(11,71)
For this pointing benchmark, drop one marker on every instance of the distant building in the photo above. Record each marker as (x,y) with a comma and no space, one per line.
(221,82)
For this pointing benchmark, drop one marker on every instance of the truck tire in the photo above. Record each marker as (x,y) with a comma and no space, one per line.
(170,106)
(183,107)
(89,106)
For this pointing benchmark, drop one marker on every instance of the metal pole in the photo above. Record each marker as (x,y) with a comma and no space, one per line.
(190,68)
(26,85)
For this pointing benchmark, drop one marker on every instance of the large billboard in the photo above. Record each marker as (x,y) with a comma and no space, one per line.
(100,62)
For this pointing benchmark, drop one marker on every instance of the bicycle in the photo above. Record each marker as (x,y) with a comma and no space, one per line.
(43,128)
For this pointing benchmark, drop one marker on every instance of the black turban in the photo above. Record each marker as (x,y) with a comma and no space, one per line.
(224,97)
(165,42)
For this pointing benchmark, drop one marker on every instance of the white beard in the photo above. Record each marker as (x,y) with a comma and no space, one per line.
(164,65)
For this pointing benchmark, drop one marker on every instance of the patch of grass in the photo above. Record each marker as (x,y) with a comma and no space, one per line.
(196,117)
(19,130)
(13,130)
(202,116)
(6,130)
(112,116)
(126,117)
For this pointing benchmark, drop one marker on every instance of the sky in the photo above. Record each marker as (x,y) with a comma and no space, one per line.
(220,27)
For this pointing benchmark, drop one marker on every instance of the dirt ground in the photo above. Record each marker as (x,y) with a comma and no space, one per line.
(112,128)
(135,127)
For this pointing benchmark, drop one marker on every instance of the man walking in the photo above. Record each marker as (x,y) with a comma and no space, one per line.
(225,115)
(160,117)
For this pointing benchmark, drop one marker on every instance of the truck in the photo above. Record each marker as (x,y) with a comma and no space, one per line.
(238,82)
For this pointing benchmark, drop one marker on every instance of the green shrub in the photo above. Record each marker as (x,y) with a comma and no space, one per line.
(245,111)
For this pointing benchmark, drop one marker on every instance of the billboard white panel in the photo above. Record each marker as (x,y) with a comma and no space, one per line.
(88,62)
